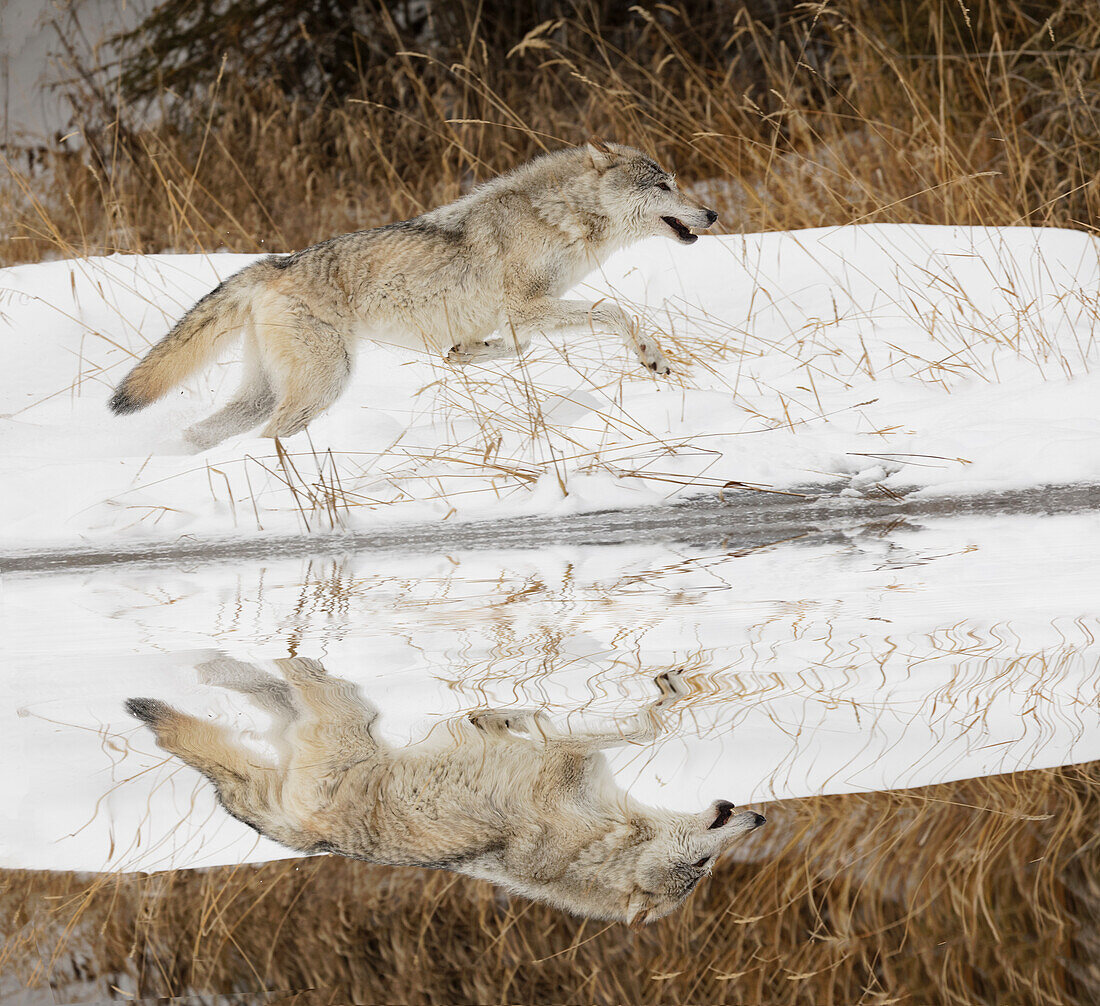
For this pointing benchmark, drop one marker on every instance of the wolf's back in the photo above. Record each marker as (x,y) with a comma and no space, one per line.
(191,343)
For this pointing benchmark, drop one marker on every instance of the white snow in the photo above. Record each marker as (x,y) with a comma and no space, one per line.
(835,663)
(929,360)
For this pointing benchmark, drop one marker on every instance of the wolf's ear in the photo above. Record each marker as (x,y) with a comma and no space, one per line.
(599,153)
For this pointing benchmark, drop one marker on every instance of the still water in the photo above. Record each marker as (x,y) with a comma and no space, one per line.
(871,657)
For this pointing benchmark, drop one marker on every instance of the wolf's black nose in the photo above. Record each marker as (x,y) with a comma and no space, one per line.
(711,217)
(758,819)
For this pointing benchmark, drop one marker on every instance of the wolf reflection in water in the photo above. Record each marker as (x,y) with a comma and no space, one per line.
(503,797)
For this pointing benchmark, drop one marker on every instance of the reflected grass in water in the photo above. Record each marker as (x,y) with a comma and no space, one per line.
(853,662)
(981,891)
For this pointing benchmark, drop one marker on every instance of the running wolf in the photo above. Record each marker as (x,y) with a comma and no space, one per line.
(504,797)
(496,261)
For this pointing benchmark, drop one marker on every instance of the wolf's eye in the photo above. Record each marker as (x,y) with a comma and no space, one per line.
(702,862)
(663,186)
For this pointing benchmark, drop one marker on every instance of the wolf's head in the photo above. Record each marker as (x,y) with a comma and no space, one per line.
(642,197)
(638,869)
(682,851)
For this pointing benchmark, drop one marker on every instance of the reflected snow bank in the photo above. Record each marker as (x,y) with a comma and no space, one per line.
(882,657)
(875,360)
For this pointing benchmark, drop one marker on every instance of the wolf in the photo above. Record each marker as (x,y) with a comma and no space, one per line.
(473,280)
(502,796)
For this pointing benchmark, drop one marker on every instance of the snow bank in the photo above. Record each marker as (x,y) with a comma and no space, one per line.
(870,359)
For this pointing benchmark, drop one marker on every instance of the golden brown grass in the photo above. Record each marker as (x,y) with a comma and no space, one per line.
(932,111)
(790,115)
(982,891)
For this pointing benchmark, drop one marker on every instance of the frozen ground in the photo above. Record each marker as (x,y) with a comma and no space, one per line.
(862,658)
(871,360)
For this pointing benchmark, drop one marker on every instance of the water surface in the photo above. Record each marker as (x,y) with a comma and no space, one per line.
(868,657)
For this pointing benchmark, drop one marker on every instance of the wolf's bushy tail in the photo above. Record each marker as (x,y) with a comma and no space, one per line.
(191,343)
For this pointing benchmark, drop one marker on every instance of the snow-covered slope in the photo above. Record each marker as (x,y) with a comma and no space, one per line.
(928,359)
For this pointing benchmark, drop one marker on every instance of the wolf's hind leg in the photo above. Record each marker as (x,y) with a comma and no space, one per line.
(251,405)
(268,692)
(265,691)
(508,347)
(332,737)
(336,718)
(310,365)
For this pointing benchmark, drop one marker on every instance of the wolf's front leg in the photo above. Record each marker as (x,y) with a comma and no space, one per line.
(645,725)
(545,315)
(501,722)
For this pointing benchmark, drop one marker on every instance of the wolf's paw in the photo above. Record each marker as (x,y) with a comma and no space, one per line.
(193,440)
(671,683)
(458,357)
(236,675)
(651,356)
(490,721)
(302,670)
(500,721)
(468,353)
(493,349)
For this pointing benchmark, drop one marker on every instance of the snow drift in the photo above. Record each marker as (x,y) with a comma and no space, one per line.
(878,359)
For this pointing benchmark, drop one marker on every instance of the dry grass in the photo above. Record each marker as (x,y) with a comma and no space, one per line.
(983,891)
(791,115)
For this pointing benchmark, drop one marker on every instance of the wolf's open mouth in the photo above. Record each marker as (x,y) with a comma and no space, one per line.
(724,808)
(680,230)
